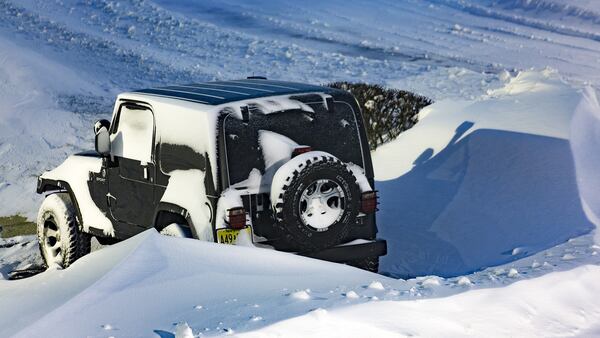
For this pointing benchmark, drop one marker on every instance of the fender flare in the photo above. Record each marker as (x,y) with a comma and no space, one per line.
(55,186)
(167,208)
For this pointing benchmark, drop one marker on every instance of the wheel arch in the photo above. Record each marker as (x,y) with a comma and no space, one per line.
(52,186)
(167,213)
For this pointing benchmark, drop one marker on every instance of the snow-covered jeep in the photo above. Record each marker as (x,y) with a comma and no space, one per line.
(249,162)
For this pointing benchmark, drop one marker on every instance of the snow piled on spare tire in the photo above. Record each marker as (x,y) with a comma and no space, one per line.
(287,170)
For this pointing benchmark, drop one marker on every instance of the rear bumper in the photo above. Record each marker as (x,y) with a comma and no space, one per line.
(345,253)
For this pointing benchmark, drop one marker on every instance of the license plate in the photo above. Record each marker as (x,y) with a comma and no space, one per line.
(231,236)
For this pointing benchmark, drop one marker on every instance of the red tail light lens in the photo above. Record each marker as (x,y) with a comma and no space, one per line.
(237,218)
(301,150)
(368,202)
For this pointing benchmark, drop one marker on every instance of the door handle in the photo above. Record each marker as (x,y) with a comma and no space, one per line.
(147,175)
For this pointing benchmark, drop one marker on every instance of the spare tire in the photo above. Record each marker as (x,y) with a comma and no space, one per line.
(315,201)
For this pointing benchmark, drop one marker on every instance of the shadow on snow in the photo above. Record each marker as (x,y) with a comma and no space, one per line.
(487,198)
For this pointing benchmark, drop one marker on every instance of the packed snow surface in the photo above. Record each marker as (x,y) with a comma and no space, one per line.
(494,190)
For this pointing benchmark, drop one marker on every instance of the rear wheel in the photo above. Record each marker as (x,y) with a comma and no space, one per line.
(61,243)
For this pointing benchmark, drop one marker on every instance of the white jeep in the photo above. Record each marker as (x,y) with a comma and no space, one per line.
(248,162)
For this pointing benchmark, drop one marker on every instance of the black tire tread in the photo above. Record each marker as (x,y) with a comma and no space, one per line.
(313,163)
(78,243)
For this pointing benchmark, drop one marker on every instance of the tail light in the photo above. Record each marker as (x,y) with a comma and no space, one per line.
(301,150)
(237,218)
(368,202)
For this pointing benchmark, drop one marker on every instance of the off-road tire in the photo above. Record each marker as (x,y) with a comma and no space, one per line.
(367,263)
(57,211)
(295,234)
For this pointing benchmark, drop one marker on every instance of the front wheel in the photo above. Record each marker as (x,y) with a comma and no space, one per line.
(61,242)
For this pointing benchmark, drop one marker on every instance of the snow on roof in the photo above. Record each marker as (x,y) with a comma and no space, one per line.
(220,92)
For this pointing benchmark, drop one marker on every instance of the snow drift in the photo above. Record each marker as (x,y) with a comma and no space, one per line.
(483,182)
(145,284)
(585,144)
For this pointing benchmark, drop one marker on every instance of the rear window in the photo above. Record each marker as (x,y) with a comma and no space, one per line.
(333,132)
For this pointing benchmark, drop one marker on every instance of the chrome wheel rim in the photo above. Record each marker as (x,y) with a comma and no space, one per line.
(52,243)
(321,204)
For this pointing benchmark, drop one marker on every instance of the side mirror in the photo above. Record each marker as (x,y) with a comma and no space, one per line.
(99,124)
(102,141)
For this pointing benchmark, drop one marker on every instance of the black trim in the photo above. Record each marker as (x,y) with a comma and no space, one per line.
(49,185)
(346,253)
(170,208)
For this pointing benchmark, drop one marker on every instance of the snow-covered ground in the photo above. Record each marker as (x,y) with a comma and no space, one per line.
(151,283)
(495,186)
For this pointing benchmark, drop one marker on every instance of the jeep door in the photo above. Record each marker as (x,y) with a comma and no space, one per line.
(131,170)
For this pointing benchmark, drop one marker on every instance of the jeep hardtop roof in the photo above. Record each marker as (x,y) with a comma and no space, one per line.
(220,92)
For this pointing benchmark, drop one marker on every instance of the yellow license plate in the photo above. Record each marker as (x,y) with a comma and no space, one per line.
(231,236)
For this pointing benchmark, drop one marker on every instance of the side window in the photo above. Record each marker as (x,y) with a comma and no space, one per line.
(180,157)
(132,138)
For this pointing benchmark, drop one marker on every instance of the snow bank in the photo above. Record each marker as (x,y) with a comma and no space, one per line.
(474,180)
(585,144)
(165,278)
